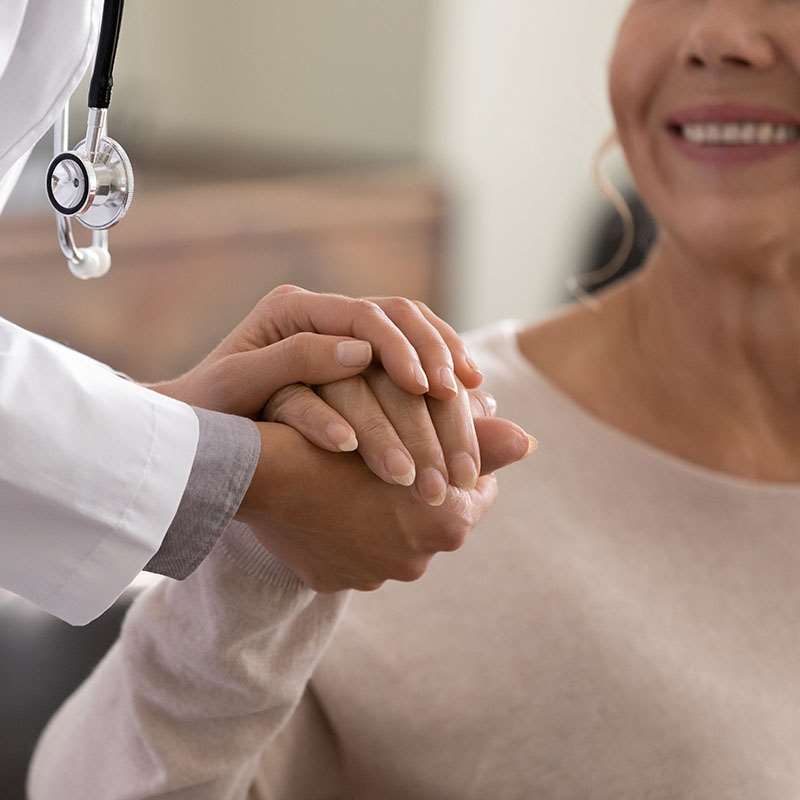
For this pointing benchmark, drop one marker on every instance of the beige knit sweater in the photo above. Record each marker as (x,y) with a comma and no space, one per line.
(622,625)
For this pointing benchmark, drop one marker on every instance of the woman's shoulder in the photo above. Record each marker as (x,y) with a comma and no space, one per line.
(546,371)
(542,348)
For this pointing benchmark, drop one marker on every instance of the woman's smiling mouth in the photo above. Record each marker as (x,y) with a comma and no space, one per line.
(733,134)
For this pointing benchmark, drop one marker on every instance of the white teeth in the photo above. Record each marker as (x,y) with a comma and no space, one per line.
(730,133)
(738,133)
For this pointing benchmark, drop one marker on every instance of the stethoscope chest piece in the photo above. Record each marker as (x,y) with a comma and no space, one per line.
(97,193)
(94,182)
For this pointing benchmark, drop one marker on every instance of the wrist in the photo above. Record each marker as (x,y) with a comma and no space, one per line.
(241,546)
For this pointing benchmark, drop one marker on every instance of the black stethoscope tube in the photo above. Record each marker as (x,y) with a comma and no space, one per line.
(102,77)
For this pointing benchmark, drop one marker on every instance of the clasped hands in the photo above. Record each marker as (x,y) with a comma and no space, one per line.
(326,375)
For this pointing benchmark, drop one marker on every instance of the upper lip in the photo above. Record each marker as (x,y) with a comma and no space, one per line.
(732,112)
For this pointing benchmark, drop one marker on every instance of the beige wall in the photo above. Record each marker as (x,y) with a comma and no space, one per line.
(517,109)
(327,76)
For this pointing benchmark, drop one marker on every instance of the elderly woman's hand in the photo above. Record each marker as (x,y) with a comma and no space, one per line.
(351,530)
(402,438)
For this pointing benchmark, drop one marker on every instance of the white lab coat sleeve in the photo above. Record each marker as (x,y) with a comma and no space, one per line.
(92,471)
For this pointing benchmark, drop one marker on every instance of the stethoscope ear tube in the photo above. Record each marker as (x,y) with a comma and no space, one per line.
(103,75)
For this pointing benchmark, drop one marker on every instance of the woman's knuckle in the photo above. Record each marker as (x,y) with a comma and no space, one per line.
(346,390)
(410,572)
(277,405)
(374,425)
(368,585)
(452,533)
(453,540)
(304,410)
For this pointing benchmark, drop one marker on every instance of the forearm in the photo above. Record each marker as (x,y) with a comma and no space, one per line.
(204,674)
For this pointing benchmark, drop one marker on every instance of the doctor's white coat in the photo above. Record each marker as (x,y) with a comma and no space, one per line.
(92,467)
(92,470)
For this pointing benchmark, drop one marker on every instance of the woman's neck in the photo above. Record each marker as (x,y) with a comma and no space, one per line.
(697,361)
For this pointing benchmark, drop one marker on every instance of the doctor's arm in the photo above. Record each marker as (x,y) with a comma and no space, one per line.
(101,476)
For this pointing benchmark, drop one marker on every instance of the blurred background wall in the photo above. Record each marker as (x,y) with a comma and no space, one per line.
(516,108)
(434,147)
(337,79)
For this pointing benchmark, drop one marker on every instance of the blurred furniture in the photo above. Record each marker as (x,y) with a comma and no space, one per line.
(43,661)
(191,259)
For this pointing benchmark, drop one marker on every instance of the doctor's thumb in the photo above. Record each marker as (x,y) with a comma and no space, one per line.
(311,358)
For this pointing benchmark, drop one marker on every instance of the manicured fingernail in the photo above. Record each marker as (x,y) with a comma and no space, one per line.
(432,486)
(448,379)
(420,377)
(488,402)
(463,472)
(399,466)
(342,437)
(533,444)
(473,366)
(353,354)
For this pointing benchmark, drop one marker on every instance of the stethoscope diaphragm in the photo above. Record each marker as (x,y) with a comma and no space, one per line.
(98,193)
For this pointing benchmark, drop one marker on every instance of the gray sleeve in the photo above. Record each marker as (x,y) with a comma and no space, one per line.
(227,456)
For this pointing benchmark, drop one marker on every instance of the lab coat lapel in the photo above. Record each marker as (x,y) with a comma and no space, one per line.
(53,45)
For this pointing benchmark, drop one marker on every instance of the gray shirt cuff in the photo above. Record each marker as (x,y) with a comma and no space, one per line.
(227,455)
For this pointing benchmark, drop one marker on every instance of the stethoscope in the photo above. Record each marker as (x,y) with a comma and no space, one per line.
(94,181)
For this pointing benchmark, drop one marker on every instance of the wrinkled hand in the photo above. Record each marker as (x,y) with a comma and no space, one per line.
(349,529)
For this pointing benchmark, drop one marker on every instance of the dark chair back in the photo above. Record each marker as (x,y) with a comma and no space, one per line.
(42,661)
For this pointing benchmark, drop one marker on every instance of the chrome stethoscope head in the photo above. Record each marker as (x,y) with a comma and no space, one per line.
(93,182)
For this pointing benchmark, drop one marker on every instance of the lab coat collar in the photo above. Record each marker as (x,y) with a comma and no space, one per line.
(46,46)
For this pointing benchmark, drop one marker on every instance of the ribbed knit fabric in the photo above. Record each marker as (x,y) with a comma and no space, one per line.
(227,456)
(622,625)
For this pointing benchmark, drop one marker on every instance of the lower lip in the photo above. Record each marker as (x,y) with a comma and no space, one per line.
(730,154)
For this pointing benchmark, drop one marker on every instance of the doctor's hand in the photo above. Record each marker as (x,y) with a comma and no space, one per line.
(353,531)
(295,335)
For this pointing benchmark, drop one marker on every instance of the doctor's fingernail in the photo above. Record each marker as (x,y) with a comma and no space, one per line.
(353,354)
(420,377)
(432,486)
(342,437)
(473,366)
(463,472)
(399,466)
(448,379)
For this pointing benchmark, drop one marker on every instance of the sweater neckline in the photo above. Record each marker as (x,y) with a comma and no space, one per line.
(622,440)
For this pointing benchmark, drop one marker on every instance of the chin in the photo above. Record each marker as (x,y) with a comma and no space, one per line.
(731,236)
